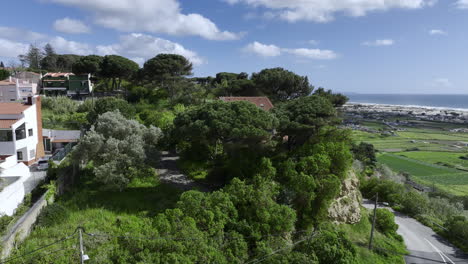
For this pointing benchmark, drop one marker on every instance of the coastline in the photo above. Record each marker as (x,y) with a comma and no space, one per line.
(413,107)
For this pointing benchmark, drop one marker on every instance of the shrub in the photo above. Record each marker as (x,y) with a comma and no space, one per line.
(332,246)
(59,105)
(385,222)
(52,214)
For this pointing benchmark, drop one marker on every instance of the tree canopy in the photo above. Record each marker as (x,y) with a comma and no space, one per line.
(109,104)
(117,147)
(118,68)
(302,118)
(88,64)
(281,85)
(167,66)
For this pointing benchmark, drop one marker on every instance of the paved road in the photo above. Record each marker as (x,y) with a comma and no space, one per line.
(424,245)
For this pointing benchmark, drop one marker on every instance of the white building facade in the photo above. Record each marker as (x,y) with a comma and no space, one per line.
(16,90)
(21,130)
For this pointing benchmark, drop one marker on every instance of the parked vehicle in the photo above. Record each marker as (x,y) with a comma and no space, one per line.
(43,164)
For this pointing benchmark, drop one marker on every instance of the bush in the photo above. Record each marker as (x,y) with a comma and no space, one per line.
(59,105)
(332,246)
(415,204)
(385,222)
(52,215)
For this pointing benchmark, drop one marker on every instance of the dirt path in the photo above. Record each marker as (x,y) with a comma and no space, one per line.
(169,173)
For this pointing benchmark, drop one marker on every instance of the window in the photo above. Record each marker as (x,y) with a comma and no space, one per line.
(6,135)
(32,154)
(30,132)
(19,155)
(20,132)
(12,100)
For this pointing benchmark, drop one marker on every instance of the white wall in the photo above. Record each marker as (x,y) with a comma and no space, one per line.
(12,195)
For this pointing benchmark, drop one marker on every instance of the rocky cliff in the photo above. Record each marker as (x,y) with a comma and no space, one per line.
(347,206)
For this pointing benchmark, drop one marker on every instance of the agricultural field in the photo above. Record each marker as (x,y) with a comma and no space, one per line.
(448,179)
(428,151)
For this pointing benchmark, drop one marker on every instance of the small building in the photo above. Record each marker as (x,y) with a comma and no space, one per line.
(21,130)
(65,83)
(58,139)
(16,90)
(262,101)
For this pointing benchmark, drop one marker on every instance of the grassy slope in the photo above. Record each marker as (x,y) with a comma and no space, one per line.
(359,233)
(116,213)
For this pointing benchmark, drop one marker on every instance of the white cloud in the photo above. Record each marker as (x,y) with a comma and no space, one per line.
(71,26)
(441,82)
(141,47)
(316,54)
(154,16)
(263,49)
(324,11)
(138,47)
(12,49)
(63,46)
(379,42)
(313,42)
(20,34)
(462,4)
(437,32)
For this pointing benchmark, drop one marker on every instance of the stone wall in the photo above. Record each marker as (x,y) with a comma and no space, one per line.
(22,227)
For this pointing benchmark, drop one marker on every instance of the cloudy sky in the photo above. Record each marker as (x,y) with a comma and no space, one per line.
(366,46)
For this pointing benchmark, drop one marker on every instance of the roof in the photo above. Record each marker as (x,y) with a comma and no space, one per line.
(62,136)
(12,108)
(7,123)
(262,101)
(58,74)
(7,83)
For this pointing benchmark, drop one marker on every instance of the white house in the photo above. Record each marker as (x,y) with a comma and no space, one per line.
(14,89)
(12,178)
(21,130)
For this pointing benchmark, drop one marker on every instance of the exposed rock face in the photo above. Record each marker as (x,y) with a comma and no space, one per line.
(347,206)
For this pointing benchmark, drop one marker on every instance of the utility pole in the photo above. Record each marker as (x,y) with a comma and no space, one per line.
(81,246)
(373,221)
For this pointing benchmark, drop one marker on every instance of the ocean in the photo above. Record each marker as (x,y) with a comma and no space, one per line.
(455,101)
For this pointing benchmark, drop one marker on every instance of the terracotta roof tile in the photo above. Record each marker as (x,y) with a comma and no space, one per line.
(7,123)
(262,101)
(12,108)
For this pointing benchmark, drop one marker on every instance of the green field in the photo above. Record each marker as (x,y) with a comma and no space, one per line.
(448,179)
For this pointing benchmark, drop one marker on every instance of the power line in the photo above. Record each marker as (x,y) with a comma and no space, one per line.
(40,248)
(258,260)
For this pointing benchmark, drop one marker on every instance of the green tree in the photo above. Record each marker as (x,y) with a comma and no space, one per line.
(32,58)
(281,85)
(4,74)
(118,68)
(225,134)
(65,62)
(302,118)
(49,62)
(365,152)
(385,222)
(117,147)
(336,99)
(109,104)
(88,64)
(166,67)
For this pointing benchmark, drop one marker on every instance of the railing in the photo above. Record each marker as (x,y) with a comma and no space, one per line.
(59,156)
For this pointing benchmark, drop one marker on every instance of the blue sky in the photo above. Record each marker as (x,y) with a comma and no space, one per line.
(366,46)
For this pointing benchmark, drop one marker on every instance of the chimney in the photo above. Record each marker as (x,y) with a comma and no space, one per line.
(30,100)
(9,79)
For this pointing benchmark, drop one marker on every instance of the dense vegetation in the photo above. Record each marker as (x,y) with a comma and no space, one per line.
(272,175)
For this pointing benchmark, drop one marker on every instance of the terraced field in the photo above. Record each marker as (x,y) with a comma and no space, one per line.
(444,178)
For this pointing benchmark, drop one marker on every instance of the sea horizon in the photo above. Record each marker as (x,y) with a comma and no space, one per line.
(437,101)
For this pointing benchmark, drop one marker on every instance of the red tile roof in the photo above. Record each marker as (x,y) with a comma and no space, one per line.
(262,102)
(7,123)
(12,108)
(7,83)
(58,74)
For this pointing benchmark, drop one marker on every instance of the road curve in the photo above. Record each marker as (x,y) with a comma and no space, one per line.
(424,245)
